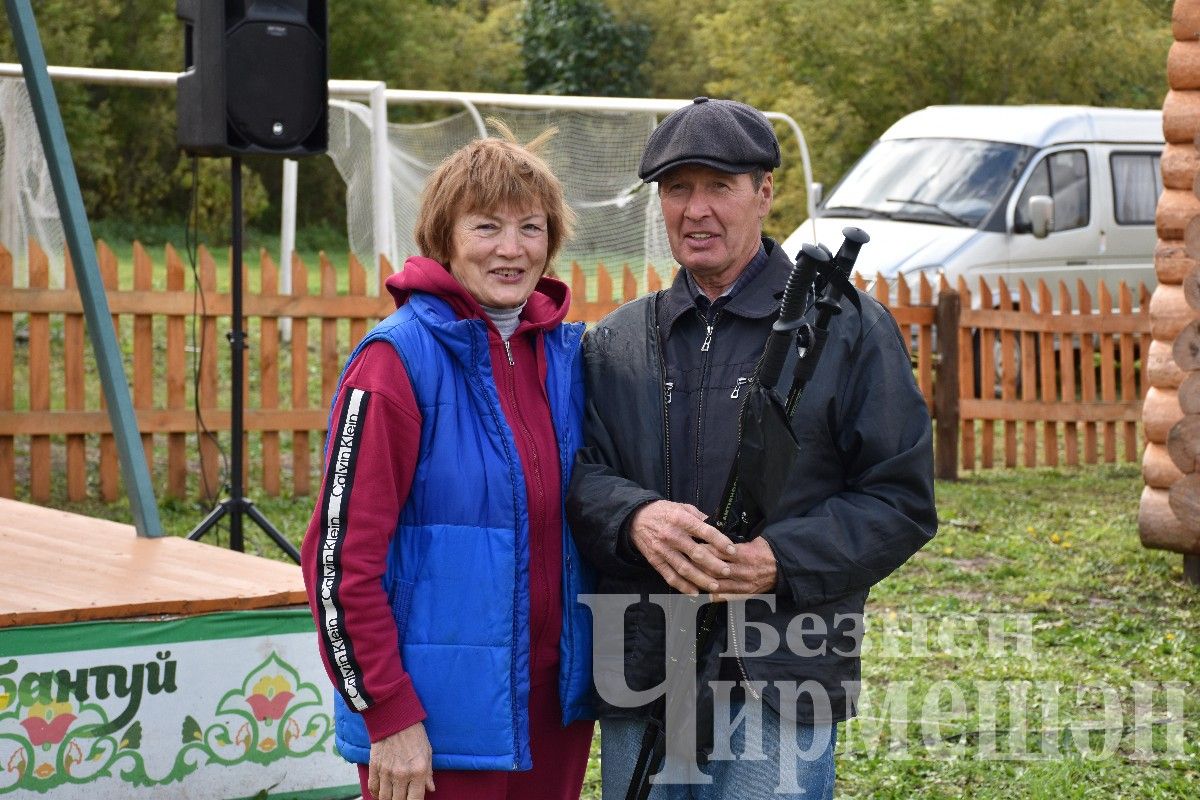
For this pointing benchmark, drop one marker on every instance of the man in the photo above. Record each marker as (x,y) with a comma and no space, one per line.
(665,376)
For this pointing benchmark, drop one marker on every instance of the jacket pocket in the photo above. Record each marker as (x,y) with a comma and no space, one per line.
(401,602)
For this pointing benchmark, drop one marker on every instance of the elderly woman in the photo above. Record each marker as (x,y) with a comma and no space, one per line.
(439,569)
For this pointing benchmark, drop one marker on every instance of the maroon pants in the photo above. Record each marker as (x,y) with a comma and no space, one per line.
(560,757)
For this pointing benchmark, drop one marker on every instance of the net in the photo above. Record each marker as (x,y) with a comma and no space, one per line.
(595,155)
(28,209)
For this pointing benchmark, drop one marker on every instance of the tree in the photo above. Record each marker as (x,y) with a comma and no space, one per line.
(675,65)
(577,47)
(847,70)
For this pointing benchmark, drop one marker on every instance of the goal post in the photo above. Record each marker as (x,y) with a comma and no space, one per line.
(385,164)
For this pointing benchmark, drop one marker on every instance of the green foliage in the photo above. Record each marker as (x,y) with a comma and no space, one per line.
(577,47)
(676,64)
(845,71)
(214,201)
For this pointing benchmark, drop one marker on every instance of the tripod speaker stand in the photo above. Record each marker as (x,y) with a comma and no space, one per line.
(238,505)
(256,82)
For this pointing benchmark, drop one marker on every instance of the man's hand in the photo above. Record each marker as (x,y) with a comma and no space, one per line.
(754,570)
(401,766)
(674,539)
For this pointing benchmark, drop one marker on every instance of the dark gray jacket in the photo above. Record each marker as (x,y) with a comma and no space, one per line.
(863,485)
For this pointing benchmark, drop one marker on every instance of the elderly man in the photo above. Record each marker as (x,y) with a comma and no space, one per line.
(665,374)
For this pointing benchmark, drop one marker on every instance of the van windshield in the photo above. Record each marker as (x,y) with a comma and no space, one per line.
(941,181)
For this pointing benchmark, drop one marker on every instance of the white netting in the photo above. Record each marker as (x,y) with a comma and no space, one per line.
(28,208)
(595,155)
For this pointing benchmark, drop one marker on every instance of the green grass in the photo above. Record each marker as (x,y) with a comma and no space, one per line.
(1054,550)
(1057,551)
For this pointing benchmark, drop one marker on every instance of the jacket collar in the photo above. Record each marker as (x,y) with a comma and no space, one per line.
(755,300)
(544,309)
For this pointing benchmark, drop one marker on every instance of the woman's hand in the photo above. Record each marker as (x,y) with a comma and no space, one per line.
(401,766)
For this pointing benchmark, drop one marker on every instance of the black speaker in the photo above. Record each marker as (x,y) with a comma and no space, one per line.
(256,75)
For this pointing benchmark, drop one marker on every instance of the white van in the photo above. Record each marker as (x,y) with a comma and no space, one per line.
(1024,192)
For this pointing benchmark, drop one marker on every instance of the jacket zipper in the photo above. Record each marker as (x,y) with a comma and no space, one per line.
(700,393)
(737,387)
(705,348)
(666,398)
(497,419)
(536,571)
(737,653)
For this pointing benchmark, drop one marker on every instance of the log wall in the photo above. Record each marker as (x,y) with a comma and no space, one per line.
(1169,515)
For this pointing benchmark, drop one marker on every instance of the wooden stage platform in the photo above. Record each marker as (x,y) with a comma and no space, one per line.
(63,567)
(151,668)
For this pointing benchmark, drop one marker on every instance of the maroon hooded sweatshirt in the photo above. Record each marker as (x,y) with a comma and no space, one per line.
(384,474)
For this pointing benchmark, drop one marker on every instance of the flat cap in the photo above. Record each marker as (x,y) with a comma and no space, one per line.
(722,134)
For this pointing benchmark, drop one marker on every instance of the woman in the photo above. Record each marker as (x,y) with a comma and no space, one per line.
(438,565)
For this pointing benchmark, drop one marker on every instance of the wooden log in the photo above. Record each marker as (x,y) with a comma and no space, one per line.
(1185,20)
(1176,208)
(1189,393)
(1159,528)
(1183,65)
(1161,367)
(1186,347)
(1180,164)
(1191,288)
(1159,412)
(1169,312)
(1158,469)
(1184,500)
(1183,443)
(1174,259)
(1181,116)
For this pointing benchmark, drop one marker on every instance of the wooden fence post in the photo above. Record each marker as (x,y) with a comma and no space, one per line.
(946,390)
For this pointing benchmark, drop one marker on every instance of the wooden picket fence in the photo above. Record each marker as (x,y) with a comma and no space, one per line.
(1051,374)
(60,433)
(56,437)
(1059,380)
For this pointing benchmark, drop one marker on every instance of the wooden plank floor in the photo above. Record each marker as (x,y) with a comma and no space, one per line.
(63,567)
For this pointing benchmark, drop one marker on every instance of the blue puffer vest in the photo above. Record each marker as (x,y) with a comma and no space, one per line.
(458,566)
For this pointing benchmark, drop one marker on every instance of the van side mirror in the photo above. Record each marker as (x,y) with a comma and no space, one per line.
(1041,215)
(818,193)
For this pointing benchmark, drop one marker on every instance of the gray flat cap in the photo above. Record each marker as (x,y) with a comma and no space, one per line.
(722,134)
